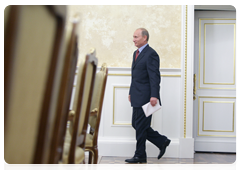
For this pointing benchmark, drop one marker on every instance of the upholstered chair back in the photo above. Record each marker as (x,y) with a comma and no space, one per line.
(97,93)
(29,54)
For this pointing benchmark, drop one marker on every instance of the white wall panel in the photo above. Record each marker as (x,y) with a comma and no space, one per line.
(219,57)
(217,46)
(170,113)
(121,106)
(216,116)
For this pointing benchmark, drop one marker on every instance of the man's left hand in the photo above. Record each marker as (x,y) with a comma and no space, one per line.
(153,101)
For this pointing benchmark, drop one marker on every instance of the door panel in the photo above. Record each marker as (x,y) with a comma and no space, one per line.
(215,94)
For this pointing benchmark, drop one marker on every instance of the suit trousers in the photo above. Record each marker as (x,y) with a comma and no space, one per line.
(144,132)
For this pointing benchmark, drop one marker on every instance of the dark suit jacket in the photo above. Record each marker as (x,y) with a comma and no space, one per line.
(145,77)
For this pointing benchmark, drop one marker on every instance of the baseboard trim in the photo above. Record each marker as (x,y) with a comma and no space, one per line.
(126,148)
(186,148)
(215,146)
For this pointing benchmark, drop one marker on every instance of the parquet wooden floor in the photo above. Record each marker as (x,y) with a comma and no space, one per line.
(201,161)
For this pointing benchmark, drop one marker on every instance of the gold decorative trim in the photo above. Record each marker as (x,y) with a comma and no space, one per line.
(119,74)
(200,25)
(194,86)
(219,135)
(217,88)
(185,74)
(104,67)
(164,75)
(217,18)
(92,51)
(114,87)
(218,97)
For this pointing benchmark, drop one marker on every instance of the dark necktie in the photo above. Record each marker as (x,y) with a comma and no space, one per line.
(136,55)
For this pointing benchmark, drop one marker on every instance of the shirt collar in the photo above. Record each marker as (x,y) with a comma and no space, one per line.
(141,48)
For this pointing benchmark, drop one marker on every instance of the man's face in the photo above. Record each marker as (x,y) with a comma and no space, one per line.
(138,39)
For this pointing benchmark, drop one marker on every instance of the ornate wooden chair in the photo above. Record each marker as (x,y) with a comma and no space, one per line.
(74,144)
(65,91)
(95,116)
(32,53)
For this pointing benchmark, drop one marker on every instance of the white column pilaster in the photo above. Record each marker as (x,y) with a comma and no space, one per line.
(186,142)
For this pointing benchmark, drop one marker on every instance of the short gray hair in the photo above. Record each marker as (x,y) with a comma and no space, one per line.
(144,32)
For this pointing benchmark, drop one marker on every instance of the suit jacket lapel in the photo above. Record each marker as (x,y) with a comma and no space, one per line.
(140,56)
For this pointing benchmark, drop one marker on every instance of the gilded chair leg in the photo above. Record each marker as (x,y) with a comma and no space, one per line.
(90,157)
(95,150)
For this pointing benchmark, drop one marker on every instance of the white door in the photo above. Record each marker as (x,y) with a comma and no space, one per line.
(215,81)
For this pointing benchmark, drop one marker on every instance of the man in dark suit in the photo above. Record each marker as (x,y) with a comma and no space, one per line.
(145,87)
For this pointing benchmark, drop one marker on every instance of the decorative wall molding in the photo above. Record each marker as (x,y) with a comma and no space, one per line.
(212,77)
(213,106)
(126,71)
(119,117)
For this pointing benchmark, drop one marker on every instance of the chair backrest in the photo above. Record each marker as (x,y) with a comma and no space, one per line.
(6,16)
(97,100)
(32,51)
(83,97)
(65,91)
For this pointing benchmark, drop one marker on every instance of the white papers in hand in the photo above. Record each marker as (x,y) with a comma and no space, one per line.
(149,109)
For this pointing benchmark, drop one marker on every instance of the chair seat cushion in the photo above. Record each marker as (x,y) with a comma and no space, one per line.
(89,140)
(79,154)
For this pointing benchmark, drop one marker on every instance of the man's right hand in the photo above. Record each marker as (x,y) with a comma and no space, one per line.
(129,98)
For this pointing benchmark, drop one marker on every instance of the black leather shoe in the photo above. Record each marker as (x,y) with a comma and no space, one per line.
(136,160)
(163,148)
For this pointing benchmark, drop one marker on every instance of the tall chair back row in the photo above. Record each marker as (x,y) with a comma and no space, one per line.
(64,98)
(74,145)
(95,115)
(38,75)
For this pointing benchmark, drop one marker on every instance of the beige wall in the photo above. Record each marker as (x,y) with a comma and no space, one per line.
(110,29)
